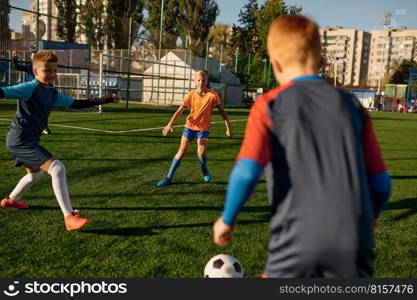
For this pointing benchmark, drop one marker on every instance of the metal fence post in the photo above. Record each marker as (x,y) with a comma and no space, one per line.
(100,83)
(129,54)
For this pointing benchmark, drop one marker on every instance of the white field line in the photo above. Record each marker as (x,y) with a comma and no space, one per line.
(121,131)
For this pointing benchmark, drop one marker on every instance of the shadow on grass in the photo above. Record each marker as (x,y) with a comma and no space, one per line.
(151,230)
(404,176)
(251,209)
(408,203)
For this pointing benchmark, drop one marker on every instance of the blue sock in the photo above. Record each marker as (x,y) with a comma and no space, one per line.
(204,166)
(175,164)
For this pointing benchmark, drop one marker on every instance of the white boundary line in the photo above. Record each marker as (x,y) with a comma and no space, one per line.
(121,131)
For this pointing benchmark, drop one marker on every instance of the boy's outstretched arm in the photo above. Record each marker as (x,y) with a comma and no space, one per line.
(226,121)
(242,182)
(92,101)
(169,128)
(20,67)
(65,101)
(21,91)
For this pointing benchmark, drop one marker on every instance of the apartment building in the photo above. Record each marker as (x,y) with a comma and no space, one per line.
(346,53)
(387,49)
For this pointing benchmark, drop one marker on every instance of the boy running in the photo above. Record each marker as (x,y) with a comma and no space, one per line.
(36,99)
(200,102)
(327,181)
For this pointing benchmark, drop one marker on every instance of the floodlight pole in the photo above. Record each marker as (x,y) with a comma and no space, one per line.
(37,25)
(207,53)
(100,82)
(160,29)
(236,58)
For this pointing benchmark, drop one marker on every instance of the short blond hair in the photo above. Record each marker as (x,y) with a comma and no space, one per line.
(294,39)
(44,56)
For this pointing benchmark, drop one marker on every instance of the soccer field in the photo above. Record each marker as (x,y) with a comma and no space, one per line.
(113,162)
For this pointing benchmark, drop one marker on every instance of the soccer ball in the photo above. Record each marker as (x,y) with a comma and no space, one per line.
(223,266)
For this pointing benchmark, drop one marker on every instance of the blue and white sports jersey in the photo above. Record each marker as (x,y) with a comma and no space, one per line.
(34,106)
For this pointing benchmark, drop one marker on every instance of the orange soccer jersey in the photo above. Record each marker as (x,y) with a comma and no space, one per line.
(200,109)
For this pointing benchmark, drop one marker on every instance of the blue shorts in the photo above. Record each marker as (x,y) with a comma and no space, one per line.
(192,134)
(28,152)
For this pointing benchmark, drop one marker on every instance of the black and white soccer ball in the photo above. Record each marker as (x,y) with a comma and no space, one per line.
(223,266)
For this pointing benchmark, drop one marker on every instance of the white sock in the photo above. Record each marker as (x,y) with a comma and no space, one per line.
(59,184)
(24,184)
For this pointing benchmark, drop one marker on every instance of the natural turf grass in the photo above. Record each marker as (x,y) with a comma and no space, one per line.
(139,230)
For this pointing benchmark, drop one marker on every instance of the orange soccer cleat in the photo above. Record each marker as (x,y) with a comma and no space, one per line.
(74,222)
(9,203)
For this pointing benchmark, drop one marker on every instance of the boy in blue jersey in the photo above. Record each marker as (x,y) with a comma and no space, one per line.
(327,181)
(36,99)
(29,76)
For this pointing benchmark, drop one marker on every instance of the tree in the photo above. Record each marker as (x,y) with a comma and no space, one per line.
(66,25)
(246,35)
(218,36)
(401,74)
(4,23)
(153,22)
(269,11)
(93,11)
(117,21)
(250,38)
(194,21)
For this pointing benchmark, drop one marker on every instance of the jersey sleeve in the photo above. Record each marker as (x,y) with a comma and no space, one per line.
(217,102)
(187,100)
(257,142)
(22,91)
(63,101)
(373,159)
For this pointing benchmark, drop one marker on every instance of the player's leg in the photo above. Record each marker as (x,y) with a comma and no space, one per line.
(182,150)
(14,199)
(202,156)
(57,170)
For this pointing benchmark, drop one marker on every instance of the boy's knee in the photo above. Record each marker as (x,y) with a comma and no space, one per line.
(33,177)
(56,168)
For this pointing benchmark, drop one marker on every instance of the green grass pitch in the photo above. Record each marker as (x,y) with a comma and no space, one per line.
(139,230)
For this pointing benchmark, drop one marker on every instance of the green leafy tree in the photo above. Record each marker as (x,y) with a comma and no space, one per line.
(401,74)
(194,22)
(66,25)
(251,37)
(269,11)
(93,12)
(117,22)
(246,35)
(153,22)
(220,35)
(4,23)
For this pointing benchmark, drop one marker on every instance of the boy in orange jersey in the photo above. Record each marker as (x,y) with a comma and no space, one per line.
(200,102)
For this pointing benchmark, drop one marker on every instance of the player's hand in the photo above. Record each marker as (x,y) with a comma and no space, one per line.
(228,133)
(167,129)
(115,98)
(222,233)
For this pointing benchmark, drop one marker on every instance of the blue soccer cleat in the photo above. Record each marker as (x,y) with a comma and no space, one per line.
(207,177)
(163,182)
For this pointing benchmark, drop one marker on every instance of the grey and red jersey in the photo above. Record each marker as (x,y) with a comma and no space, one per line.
(318,147)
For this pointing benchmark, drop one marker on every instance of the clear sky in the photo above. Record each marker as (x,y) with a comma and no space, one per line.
(359,14)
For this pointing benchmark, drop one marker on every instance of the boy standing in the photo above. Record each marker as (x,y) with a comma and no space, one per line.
(200,102)
(36,99)
(327,182)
